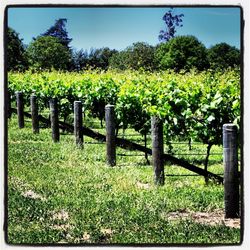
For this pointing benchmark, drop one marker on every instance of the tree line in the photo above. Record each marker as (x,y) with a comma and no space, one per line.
(51,50)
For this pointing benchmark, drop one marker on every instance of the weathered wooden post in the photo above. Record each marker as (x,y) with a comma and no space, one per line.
(34,113)
(8,103)
(20,109)
(231,177)
(78,123)
(110,134)
(157,150)
(54,120)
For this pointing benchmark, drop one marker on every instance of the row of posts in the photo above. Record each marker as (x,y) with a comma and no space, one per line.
(230,150)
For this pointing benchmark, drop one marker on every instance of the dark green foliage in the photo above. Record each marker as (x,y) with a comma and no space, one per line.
(58,30)
(182,52)
(95,59)
(119,61)
(222,56)
(16,58)
(47,52)
(99,58)
(79,59)
(138,56)
(141,55)
(172,21)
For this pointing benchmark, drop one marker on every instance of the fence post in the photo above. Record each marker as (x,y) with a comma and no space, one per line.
(110,134)
(78,123)
(157,150)
(231,177)
(54,120)
(34,113)
(20,107)
(8,102)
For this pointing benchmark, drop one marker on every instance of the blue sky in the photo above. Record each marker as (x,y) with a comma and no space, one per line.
(119,27)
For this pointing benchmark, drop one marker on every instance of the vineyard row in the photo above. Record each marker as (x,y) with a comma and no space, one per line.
(231,175)
(191,105)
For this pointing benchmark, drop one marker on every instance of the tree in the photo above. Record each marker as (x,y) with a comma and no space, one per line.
(47,52)
(222,56)
(119,60)
(16,59)
(141,55)
(58,30)
(138,56)
(99,58)
(79,59)
(171,21)
(182,52)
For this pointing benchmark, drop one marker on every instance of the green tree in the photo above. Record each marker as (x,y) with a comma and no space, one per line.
(16,59)
(141,55)
(99,58)
(138,56)
(172,21)
(222,56)
(79,59)
(182,52)
(119,60)
(47,52)
(59,31)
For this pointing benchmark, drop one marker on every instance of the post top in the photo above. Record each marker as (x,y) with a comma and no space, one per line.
(109,106)
(229,127)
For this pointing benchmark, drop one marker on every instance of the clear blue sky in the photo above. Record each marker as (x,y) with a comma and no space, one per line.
(119,27)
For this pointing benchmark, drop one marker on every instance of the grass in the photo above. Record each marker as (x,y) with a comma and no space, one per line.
(60,194)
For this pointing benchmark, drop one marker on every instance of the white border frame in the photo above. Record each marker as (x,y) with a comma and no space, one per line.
(245,4)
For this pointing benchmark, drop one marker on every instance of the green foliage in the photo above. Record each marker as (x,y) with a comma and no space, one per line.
(47,53)
(16,58)
(138,56)
(58,30)
(222,56)
(119,61)
(182,52)
(172,21)
(192,105)
(99,58)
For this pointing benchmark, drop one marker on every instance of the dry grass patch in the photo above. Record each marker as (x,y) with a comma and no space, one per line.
(214,218)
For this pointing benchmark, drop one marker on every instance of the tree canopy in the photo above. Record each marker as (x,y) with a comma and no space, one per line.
(52,50)
(182,52)
(47,52)
(58,30)
(138,56)
(16,58)
(172,21)
(222,56)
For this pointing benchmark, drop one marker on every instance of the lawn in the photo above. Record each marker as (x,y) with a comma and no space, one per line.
(61,194)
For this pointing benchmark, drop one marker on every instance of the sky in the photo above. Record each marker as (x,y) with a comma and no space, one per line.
(120,27)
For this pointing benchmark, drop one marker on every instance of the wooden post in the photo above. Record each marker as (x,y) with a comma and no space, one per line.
(231,177)
(34,113)
(54,120)
(157,150)
(8,103)
(78,123)
(110,135)
(20,107)
(145,145)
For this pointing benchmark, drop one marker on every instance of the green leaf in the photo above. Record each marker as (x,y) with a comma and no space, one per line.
(211,118)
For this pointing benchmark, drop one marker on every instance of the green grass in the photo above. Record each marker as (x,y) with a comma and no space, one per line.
(58,193)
